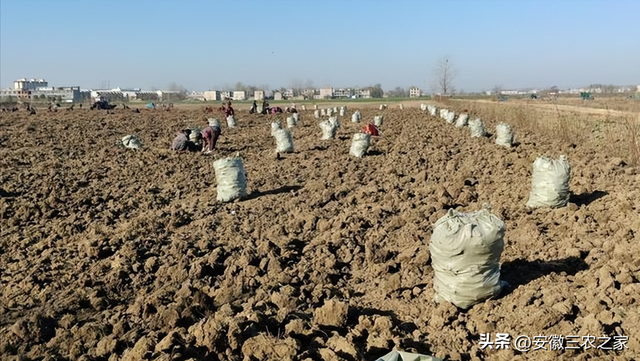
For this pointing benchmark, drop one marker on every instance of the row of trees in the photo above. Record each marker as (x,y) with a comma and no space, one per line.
(444,73)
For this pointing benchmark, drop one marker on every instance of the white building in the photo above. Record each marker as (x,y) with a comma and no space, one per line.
(31,84)
(210,95)
(258,95)
(326,93)
(342,93)
(415,92)
(194,95)
(363,93)
(277,96)
(111,95)
(66,94)
(239,95)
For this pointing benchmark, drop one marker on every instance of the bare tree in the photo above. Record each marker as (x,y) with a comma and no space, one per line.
(445,73)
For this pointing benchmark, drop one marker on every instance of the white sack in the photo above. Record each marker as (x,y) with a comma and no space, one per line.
(213,122)
(550,182)
(396,355)
(131,141)
(323,112)
(476,127)
(343,110)
(284,140)
(450,118)
(196,136)
(329,127)
(231,121)
(462,120)
(465,251)
(378,120)
(504,135)
(304,107)
(356,117)
(432,110)
(275,126)
(443,113)
(360,144)
(316,114)
(296,117)
(423,107)
(291,122)
(231,179)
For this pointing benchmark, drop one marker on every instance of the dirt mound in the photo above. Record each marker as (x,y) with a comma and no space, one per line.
(110,253)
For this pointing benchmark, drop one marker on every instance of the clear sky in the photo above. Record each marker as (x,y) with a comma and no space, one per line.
(211,44)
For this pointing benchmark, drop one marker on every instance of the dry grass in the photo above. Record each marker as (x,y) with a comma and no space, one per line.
(615,132)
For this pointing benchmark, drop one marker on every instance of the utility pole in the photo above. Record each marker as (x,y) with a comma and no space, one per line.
(444,83)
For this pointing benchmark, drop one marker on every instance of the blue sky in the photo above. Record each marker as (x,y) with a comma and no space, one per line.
(201,45)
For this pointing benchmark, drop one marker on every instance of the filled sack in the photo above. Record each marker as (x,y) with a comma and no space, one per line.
(550,182)
(465,251)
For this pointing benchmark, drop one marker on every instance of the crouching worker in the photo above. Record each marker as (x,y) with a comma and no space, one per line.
(210,135)
(181,142)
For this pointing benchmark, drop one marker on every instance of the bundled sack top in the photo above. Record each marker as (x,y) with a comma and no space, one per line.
(550,182)
(465,250)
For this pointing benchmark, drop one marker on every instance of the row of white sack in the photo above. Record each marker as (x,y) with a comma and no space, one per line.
(550,178)
(504,132)
(284,139)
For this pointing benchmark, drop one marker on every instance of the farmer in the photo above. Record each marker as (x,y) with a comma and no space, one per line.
(210,136)
(371,130)
(181,141)
(254,107)
(229,112)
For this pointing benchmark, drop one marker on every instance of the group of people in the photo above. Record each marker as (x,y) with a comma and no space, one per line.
(266,109)
(206,139)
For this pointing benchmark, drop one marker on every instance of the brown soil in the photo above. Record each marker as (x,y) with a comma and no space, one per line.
(110,253)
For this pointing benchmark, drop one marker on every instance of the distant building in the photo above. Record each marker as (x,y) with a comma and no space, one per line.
(308,93)
(170,95)
(226,94)
(211,95)
(31,84)
(415,92)
(111,95)
(15,93)
(130,94)
(326,93)
(342,93)
(288,94)
(638,88)
(196,95)
(277,96)
(363,93)
(149,96)
(258,95)
(239,95)
(67,94)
